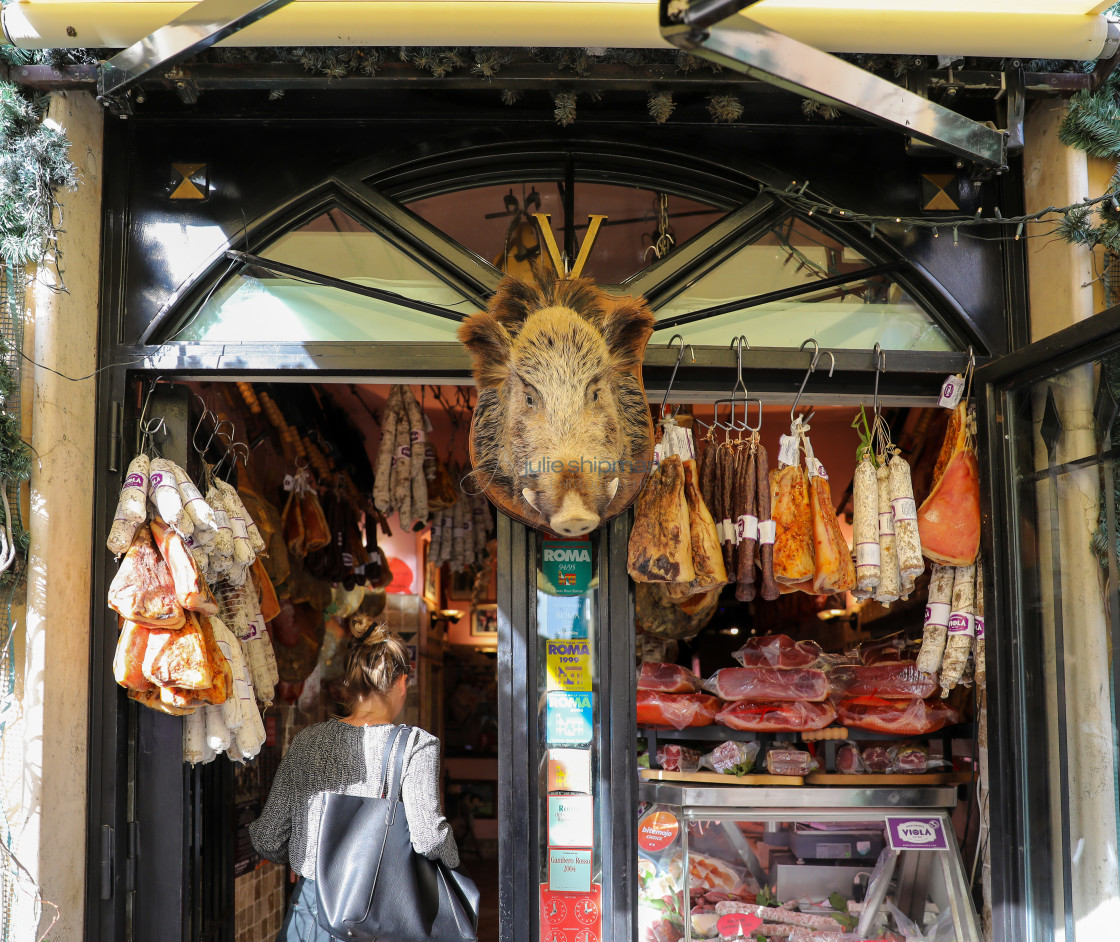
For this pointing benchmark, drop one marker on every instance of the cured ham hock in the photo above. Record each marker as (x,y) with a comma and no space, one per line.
(949,519)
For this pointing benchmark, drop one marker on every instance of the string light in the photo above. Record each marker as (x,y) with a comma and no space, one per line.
(793,196)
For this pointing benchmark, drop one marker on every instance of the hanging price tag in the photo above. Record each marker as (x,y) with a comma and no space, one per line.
(787,450)
(951,391)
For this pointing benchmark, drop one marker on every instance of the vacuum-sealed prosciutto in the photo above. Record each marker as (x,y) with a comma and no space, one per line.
(767,683)
(897,717)
(900,680)
(143,590)
(778,651)
(679,710)
(667,678)
(949,519)
(762,717)
(793,542)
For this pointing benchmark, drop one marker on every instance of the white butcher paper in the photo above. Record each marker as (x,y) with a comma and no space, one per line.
(195,749)
(133,502)
(218,736)
(200,512)
(231,649)
(238,509)
(250,737)
(163,488)
(121,536)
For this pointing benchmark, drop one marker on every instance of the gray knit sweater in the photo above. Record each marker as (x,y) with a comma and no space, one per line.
(337,757)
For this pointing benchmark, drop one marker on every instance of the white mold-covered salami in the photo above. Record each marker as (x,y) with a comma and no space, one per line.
(163,488)
(887,590)
(382,482)
(865,525)
(936,629)
(962,628)
(908,544)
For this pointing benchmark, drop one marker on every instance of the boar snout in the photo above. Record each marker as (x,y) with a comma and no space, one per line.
(574,518)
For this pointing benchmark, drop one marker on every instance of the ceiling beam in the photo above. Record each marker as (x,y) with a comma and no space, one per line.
(740,43)
(195,30)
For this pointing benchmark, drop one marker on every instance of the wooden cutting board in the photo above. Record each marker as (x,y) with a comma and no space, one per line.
(718,778)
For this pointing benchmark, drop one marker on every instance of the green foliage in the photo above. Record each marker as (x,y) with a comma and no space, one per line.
(766,897)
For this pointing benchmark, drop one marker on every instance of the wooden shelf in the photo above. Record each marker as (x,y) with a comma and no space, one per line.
(857,779)
(718,778)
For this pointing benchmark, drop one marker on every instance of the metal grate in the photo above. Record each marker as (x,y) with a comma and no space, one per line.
(12,294)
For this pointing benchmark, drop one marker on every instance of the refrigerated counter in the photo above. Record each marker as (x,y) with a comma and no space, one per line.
(801,865)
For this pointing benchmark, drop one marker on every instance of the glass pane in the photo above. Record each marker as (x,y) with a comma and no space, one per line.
(569,864)
(792,254)
(855,316)
(492,222)
(634,224)
(495,222)
(1066,477)
(262,306)
(247,309)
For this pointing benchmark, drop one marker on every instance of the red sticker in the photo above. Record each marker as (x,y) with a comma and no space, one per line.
(657,830)
(737,924)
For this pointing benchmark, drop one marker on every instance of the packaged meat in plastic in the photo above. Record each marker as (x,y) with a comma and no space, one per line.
(786,761)
(900,680)
(912,758)
(887,651)
(674,758)
(731,758)
(898,717)
(848,759)
(791,717)
(668,678)
(778,651)
(768,683)
(679,710)
(876,759)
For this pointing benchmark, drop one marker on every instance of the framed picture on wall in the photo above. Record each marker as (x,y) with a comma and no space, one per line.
(431,580)
(460,585)
(484,621)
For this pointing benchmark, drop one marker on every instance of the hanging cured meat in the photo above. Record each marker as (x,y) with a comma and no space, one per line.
(834,570)
(661,540)
(793,541)
(789,717)
(667,678)
(143,589)
(129,659)
(190,587)
(179,658)
(657,613)
(707,556)
(949,519)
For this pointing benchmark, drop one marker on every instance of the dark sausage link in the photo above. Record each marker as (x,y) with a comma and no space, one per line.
(746,576)
(770,590)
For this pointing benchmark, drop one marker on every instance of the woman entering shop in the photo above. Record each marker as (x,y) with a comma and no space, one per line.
(344,755)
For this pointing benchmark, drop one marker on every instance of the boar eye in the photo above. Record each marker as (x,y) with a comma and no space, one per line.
(528,400)
(595,396)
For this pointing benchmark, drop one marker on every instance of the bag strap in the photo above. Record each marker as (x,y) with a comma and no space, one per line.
(391,742)
(396,785)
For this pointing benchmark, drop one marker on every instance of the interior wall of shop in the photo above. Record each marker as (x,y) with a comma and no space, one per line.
(45,748)
(1063,291)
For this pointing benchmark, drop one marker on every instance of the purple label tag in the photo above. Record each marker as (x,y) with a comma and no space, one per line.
(916,833)
(134,480)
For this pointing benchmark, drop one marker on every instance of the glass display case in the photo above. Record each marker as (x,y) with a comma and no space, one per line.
(801,865)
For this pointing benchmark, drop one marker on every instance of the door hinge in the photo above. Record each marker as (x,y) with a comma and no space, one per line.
(116,432)
(133,855)
(106,862)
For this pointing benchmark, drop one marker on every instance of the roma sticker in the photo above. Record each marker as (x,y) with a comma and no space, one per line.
(657,830)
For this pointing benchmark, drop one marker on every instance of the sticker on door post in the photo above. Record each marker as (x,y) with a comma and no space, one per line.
(916,832)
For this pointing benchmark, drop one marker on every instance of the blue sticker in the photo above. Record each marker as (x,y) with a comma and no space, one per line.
(568,718)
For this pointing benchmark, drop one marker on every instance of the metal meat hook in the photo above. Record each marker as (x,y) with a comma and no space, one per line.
(880,367)
(676,366)
(814,360)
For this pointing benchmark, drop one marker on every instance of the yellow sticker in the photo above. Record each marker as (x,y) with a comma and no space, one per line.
(569,665)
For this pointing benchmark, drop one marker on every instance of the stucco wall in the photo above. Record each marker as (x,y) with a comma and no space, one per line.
(1062,293)
(49,816)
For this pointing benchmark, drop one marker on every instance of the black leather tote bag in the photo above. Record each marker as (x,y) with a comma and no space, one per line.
(371,885)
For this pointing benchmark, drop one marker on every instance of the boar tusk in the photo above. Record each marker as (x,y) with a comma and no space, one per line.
(612,489)
(530,498)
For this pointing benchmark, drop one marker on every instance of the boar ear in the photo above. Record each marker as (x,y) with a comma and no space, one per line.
(626,328)
(514,301)
(489,343)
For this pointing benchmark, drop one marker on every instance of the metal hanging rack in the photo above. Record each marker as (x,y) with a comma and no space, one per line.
(813,361)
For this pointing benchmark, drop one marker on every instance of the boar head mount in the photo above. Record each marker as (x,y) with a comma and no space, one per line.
(561,438)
